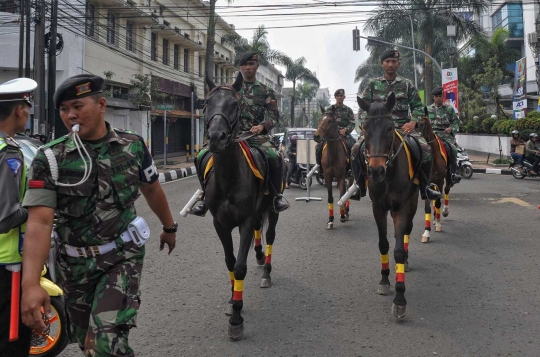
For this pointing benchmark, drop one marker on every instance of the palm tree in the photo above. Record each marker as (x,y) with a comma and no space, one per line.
(430,19)
(259,43)
(296,71)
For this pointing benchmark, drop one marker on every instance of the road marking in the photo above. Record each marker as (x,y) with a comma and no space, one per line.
(515,200)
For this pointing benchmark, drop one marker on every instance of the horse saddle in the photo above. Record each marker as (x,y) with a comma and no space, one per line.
(346,147)
(446,149)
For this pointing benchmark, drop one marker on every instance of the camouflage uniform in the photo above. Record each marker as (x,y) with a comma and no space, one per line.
(102,293)
(441,118)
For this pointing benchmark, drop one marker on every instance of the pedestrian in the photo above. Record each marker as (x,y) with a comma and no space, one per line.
(258,116)
(345,120)
(14,113)
(407,100)
(291,153)
(91,179)
(445,124)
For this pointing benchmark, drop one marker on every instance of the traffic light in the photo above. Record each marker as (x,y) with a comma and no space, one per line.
(356,39)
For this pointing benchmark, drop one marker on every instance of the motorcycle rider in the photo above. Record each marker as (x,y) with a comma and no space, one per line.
(514,142)
(291,154)
(532,152)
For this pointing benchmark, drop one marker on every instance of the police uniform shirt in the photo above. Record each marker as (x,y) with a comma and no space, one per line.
(12,214)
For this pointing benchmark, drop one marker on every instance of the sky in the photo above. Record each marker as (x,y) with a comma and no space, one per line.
(328,49)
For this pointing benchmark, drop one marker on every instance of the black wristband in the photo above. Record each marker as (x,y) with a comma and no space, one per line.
(173,229)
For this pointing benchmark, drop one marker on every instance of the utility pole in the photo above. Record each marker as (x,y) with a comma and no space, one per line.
(210,41)
(51,87)
(27,64)
(21,38)
(39,65)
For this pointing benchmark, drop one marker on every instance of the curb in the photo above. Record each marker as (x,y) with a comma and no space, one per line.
(492,171)
(176,174)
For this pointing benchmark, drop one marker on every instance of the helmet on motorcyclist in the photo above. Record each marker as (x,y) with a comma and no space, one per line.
(533,135)
(293,139)
(514,132)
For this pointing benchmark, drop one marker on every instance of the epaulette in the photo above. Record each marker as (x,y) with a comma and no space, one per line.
(118,130)
(56,141)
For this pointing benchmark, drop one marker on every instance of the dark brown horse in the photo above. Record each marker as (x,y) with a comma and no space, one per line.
(333,161)
(235,197)
(439,175)
(391,188)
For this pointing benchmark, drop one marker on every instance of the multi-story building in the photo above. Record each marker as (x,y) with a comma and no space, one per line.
(273,78)
(322,96)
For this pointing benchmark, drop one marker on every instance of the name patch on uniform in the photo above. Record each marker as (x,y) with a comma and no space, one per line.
(123,166)
(14,165)
(36,184)
(83,88)
(71,173)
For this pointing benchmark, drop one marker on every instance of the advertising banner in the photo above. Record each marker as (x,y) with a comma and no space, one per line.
(450,88)
(520,92)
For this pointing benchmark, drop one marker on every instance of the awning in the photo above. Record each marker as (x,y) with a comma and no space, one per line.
(120,103)
(174,114)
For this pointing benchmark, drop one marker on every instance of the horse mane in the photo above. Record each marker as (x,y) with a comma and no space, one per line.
(427,128)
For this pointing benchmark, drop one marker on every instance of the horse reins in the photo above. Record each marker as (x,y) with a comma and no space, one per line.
(326,132)
(238,111)
(391,154)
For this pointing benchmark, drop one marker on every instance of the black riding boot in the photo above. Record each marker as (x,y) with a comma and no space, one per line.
(200,208)
(358,174)
(276,180)
(427,189)
(454,177)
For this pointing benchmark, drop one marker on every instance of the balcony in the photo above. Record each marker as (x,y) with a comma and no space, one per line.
(176,36)
(131,10)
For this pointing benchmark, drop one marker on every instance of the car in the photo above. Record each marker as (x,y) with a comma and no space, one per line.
(302,133)
(29,147)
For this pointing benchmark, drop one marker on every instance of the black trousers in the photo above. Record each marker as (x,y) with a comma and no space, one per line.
(20,347)
(534,160)
(290,169)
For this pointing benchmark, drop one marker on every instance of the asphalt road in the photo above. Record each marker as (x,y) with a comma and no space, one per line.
(472,291)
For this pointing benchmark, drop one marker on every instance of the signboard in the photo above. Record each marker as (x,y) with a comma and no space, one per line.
(302,151)
(450,88)
(165,107)
(520,92)
(538,108)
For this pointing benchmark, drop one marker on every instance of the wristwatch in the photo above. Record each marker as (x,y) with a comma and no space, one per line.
(173,229)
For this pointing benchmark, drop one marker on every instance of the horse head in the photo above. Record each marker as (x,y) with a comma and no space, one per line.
(327,128)
(221,113)
(425,127)
(379,131)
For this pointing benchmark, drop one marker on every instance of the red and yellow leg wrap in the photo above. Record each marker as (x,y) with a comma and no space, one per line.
(268,259)
(384,261)
(446,199)
(400,273)
(231,276)
(348,203)
(438,215)
(341,210)
(406,242)
(428,220)
(258,233)
(331,209)
(238,290)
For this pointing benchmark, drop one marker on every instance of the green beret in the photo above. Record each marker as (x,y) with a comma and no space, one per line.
(248,56)
(338,92)
(437,91)
(79,86)
(390,54)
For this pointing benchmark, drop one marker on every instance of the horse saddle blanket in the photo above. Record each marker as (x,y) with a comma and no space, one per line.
(413,149)
(254,157)
(444,148)
(345,147)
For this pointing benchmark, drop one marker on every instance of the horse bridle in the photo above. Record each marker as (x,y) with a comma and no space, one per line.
(391,154)
(327,132)
(230,124)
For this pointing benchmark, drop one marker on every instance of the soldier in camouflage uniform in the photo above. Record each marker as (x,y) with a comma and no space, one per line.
(345,120)
(99,264)
(407,100)
(445,124)
(259,116)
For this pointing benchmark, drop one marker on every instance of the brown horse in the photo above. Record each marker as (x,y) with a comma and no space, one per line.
(439,175)
(392,188)
(333,161)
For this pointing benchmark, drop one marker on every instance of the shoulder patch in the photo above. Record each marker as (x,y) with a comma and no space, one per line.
(56,141)
(14,165)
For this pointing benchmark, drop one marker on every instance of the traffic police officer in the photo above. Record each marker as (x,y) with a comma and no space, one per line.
(14,113)
(445,124)
(345,119)
(407,98)
(259,115)
(100,260)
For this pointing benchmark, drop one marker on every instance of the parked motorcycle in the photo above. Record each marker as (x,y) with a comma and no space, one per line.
(299,176)
(465,168)
(520,174)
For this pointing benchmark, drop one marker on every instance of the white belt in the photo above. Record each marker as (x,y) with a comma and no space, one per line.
(94,250)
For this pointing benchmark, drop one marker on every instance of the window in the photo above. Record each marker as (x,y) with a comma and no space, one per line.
(89,19)
(510,17)
(113,91)
(153,47)
(176,55)
(10,6)
(130,45)
(111,29)
(200,66)
(186,60)
(165,51)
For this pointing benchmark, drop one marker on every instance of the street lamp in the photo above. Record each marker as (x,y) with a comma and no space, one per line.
(451,32)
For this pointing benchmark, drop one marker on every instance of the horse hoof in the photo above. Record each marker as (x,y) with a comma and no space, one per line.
(260,261)
(399,311)
(425,239)
(438,229)
(445,212)
(266,283)
(342,219)
(236,332)
(229,310)
(383,289)
(330,225)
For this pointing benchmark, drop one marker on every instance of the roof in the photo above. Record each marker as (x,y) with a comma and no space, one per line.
(174,113)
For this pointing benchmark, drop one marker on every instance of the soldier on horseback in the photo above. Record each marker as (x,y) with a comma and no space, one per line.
(445,124)
(345,119)
(258,116)
(407,100)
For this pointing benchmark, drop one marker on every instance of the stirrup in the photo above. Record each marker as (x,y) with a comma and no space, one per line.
(280,206)
(200,209)
(432,193)
(456,178)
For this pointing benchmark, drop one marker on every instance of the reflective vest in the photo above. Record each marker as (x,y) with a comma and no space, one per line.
(11,243)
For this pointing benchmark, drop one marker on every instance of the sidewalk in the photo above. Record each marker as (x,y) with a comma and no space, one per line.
(177,167)
(482,163)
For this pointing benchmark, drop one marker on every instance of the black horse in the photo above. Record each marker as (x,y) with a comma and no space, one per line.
(391,188)
(235,197)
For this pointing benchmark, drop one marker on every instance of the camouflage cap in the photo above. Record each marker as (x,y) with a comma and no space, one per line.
(437,91)
(79,86)
(338,92)
(390,54)
(248,56)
